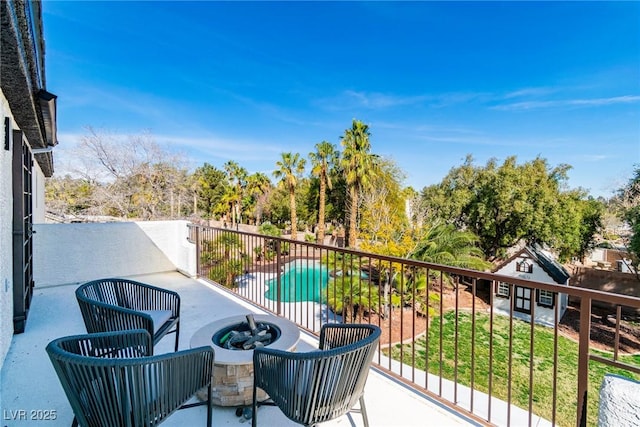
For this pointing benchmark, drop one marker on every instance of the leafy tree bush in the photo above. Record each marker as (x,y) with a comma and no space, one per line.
(509,203)
(629,202)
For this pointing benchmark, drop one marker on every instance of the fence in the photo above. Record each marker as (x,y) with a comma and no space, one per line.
(441,332)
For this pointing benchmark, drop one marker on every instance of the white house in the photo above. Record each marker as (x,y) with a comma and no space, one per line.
(27,136)
(531,263)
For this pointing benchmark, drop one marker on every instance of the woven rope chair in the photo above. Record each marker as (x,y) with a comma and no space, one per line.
(320,385)
(111,379)
(122,304)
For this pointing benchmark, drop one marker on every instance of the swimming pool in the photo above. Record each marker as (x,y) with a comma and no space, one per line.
(300,281)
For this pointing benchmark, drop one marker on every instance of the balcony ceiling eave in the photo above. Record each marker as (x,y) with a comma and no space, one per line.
(32,109)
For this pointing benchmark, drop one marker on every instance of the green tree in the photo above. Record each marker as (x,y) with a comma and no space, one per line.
(238,178)
(289,169)
(579,222)
(258,187)
(210,186)
(383,217)
(69,196)
(227,258)
(444,244)
(501,204)
(358,166)
(628,199)
(352,296)
(321,161)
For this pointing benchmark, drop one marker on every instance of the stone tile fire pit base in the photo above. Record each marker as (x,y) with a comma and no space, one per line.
(233,369)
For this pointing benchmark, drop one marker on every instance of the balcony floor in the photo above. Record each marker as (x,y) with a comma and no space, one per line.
(28,381)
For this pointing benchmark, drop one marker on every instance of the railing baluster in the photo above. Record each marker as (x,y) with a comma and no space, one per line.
(218,258)
(583,360)
(427,338)
(198,252)
(532,325)
(473,342)
(278,278)
(494,284)
(556,322)
(512,290)
(441,285)
(401,290)
(456,335)
(616,342)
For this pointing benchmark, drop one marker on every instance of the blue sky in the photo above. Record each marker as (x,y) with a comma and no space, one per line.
(434,81)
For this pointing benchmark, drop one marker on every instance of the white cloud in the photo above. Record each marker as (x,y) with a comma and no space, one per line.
(350,99)
(594,157)
(530,91)
(593,102)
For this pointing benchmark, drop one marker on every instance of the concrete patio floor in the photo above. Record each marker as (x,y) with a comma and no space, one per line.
(29,383)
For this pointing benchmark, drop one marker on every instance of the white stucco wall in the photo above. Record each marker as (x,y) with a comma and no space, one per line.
(74,253)
(6,214)
(543,315)
(171,238)
(37,179)
(619,402)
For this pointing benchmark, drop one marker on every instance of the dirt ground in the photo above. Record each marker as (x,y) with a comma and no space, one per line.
(603,330)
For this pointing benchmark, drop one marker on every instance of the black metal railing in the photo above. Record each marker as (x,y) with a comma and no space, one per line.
(461,336)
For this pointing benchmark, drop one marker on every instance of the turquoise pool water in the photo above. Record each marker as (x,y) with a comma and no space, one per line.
(299,282)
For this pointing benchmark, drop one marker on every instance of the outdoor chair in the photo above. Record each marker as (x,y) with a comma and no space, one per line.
(122,304)
(320,385)
(111,379)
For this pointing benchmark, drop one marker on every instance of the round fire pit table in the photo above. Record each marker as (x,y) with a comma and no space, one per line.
(233,369)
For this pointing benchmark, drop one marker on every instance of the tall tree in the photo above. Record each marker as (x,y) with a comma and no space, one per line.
(628,199)
(210,186)
(258,186)
(321,161)
(501,204)
(358,165)
(69,196)
(132,175)
(289,169)
(383,216)
(238,179)
(577,222)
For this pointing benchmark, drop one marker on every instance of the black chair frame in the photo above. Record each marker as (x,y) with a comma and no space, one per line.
(112,378)
(317,386)
(116,304)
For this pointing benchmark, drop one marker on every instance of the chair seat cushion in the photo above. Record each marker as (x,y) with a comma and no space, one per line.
(159,317)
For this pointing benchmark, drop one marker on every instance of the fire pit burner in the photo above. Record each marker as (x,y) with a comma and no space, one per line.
(233,370)
(246,335)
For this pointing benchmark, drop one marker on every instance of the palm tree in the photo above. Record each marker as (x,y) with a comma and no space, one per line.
(444,244)
(358,165)
(352,297)
(258,185)
(237,177)
(227,253)
(290,167)
(325,155)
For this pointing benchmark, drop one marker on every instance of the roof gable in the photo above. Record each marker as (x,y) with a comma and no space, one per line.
(552,267)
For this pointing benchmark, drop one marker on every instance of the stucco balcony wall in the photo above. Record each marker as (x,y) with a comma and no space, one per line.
(74,253)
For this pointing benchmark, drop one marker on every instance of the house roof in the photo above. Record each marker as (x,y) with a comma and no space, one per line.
(22,77)
(548,263)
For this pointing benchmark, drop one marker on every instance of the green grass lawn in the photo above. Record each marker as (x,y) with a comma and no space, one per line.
(542,363)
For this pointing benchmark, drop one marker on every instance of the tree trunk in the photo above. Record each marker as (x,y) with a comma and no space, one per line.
(323,189)
(353,215)
(294,216)
(195,204)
